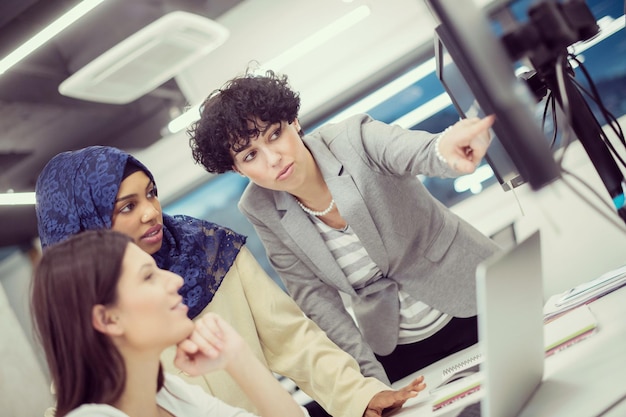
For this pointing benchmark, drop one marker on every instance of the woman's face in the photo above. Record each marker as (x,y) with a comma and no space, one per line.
(149,309)
(137,212)
(276,159)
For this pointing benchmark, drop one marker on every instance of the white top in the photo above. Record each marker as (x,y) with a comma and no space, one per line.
(178,397)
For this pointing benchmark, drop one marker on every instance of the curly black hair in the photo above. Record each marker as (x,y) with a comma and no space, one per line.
(228,113)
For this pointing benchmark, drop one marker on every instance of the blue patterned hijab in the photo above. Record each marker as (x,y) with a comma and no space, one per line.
(76,191)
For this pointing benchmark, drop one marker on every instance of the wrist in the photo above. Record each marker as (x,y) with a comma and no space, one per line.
(438,153)
(240,361)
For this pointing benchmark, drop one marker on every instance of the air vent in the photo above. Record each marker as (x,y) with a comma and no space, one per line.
(146,59)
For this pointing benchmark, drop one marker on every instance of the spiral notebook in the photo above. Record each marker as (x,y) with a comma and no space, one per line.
(461,369)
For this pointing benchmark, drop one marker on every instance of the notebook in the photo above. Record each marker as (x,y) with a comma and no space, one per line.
(464,367)
(509,295)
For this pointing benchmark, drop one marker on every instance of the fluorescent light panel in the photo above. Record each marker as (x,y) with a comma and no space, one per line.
(290,55)
(423,112)
(188,117)
(47,33)
(317,39)
(387,91)
(14,199)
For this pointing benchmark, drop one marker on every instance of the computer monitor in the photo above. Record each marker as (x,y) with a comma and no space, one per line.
(490,75)
(450,69)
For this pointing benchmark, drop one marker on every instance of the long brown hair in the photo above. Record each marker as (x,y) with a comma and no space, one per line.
(71,278)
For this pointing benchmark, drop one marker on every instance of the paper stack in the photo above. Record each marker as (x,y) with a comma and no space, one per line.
(584,293)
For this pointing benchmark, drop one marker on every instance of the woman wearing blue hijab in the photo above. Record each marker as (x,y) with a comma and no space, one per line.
(78,191)
(105,188)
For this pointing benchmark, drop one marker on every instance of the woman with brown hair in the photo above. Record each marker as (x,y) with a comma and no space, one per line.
(104,312)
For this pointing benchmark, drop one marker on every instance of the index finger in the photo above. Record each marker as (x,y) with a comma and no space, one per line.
(480,136)
(481,125)
(416,385)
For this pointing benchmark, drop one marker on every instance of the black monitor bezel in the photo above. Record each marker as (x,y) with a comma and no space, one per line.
(491,77)
(497,157)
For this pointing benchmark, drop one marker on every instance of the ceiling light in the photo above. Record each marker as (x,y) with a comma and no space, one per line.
(146,59)
(317,39)
(423,112)
(47,33)
(387,91)
(290,55)
(188,117)
(13,199)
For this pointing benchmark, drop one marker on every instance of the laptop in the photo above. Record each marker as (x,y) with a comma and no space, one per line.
(509,295)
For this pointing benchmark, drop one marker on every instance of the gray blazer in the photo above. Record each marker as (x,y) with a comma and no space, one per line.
(371,168)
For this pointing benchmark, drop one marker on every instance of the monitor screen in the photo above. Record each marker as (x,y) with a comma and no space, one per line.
(451,76)
(489,73)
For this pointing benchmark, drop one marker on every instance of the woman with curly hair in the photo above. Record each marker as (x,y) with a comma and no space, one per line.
(343,216)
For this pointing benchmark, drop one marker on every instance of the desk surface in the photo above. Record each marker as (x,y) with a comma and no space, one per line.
(583,380)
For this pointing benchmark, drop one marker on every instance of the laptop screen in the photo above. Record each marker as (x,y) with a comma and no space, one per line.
(509,293)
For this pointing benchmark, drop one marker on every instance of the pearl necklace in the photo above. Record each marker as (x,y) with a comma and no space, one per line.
(316,213)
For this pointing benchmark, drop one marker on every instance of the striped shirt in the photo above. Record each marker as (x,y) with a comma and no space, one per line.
(418,321)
